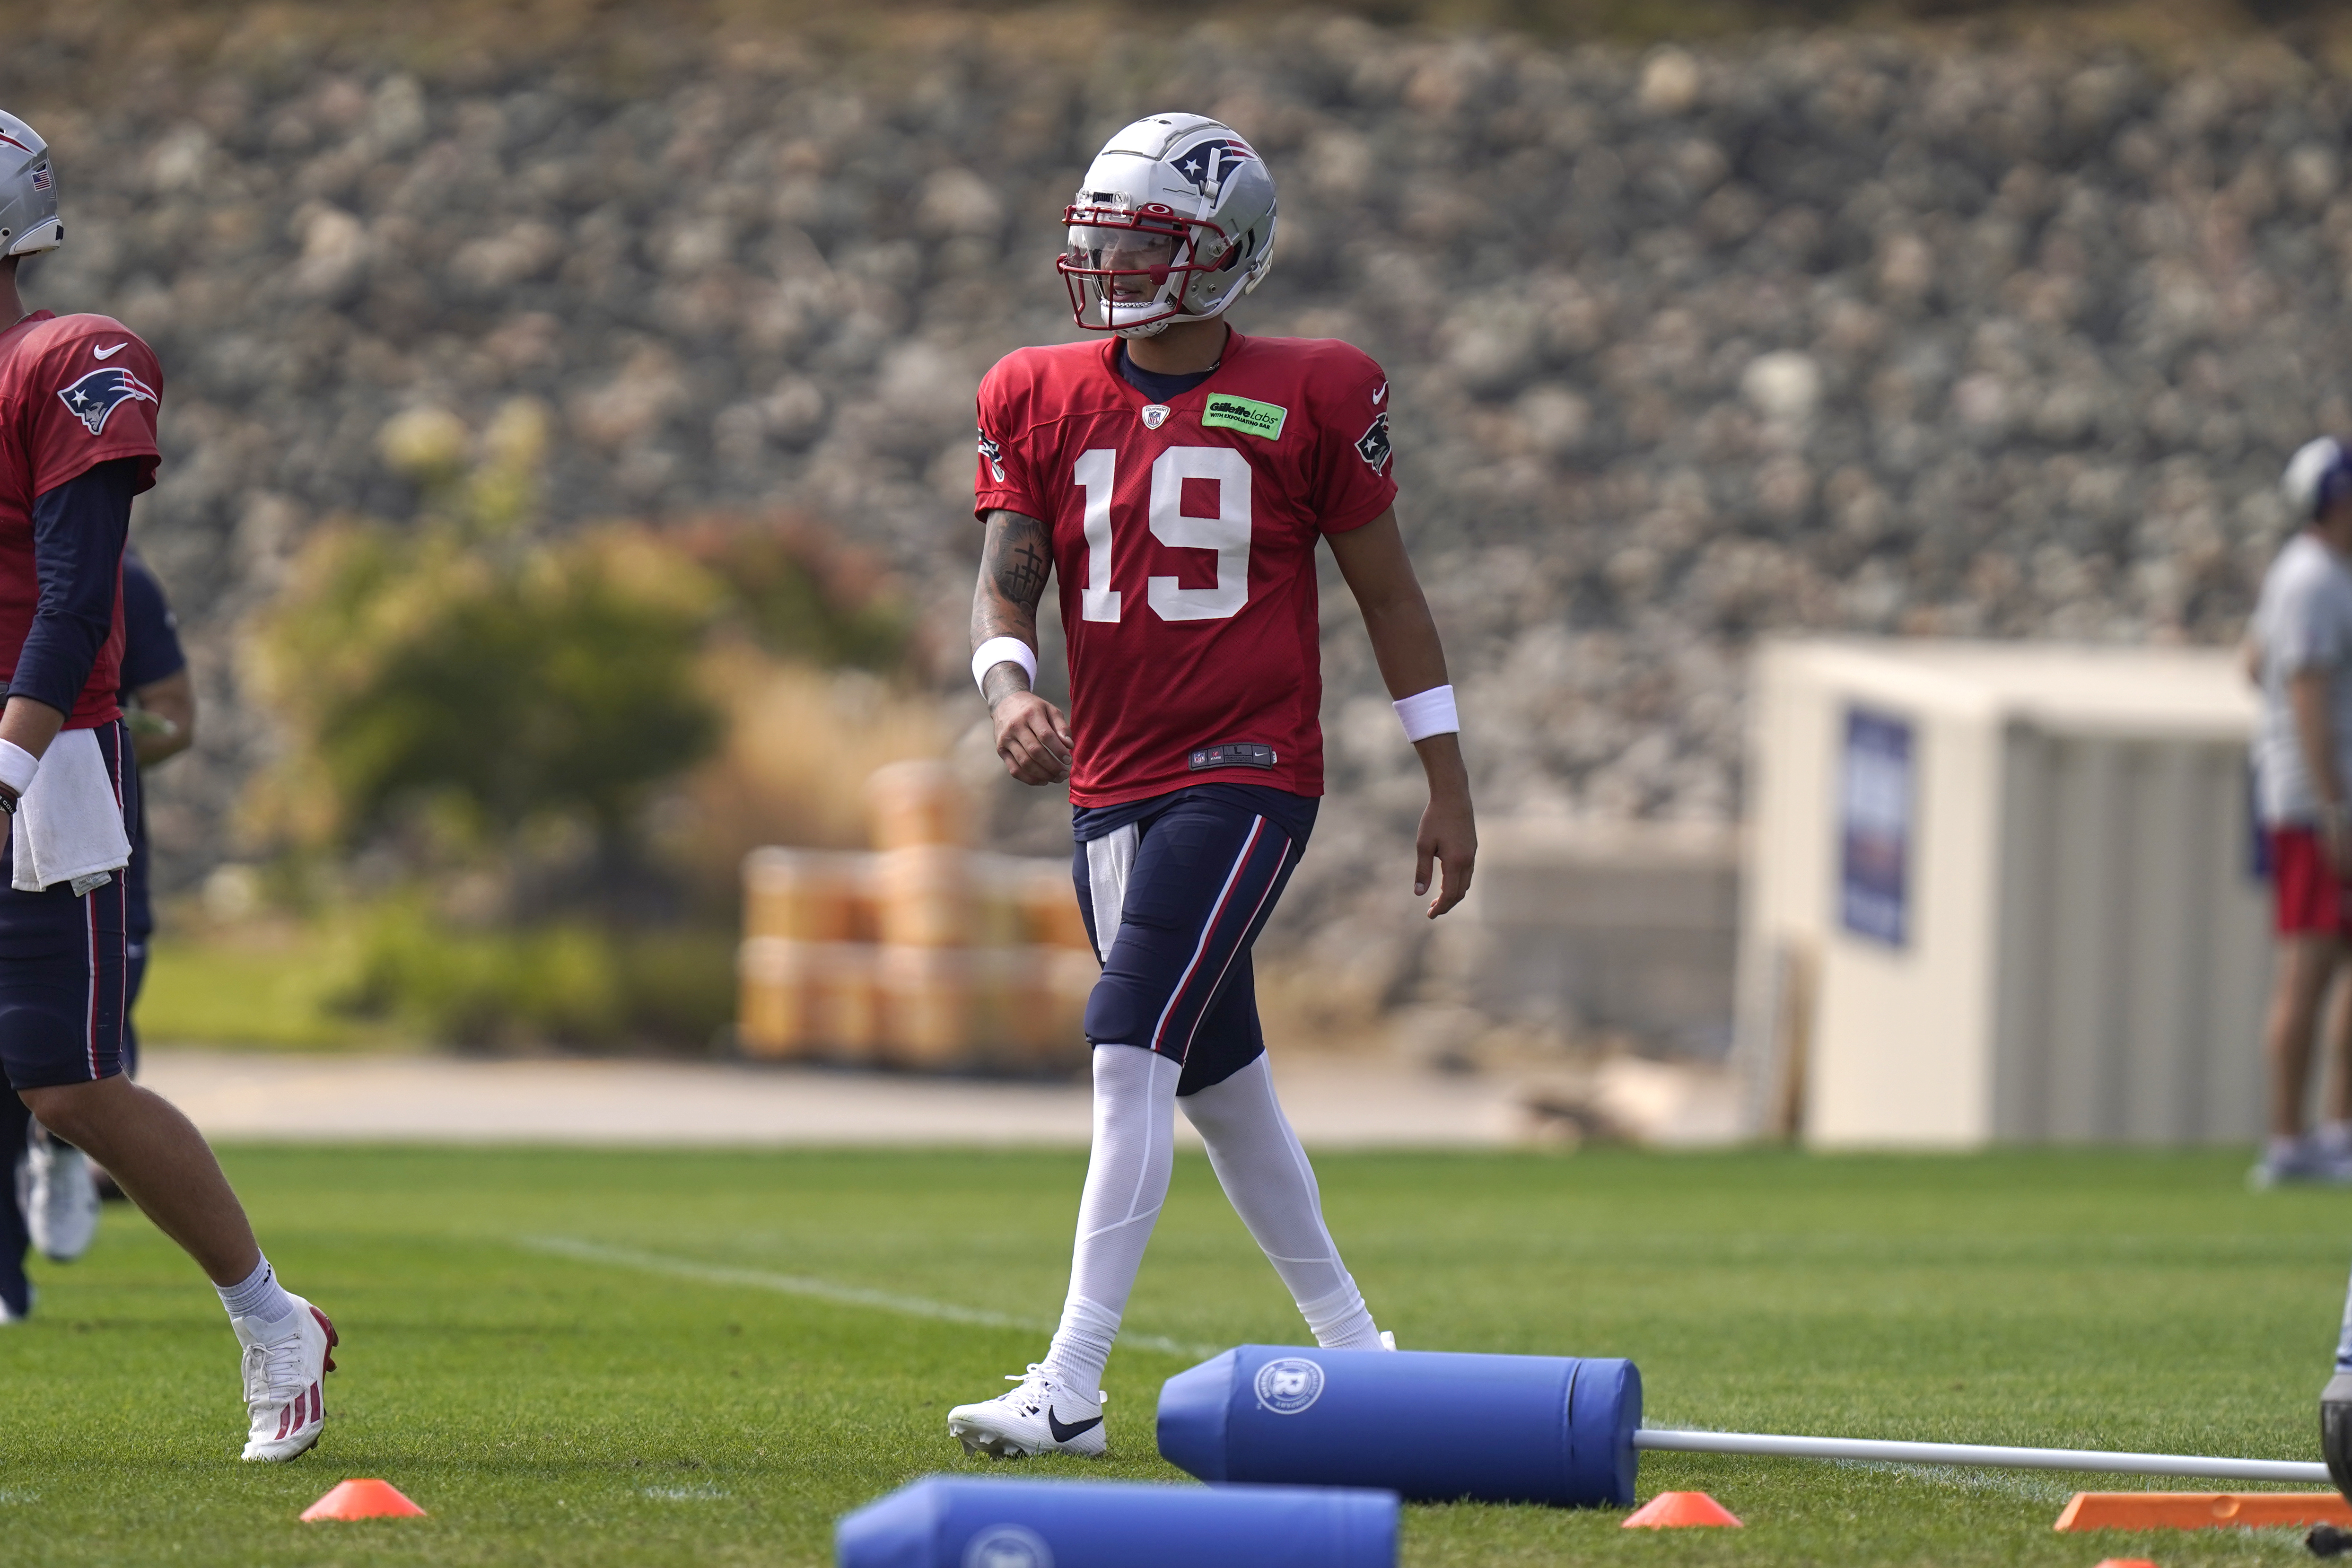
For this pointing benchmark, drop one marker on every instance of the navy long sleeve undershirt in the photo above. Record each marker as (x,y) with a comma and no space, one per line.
(79,531)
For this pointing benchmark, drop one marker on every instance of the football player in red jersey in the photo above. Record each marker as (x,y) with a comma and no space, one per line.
(1177,476)
(78,397)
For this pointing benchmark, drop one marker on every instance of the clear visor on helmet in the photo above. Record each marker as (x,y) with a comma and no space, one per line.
(1133,263)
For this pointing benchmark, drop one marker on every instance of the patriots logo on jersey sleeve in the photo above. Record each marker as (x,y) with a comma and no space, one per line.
(94,399)
(1207,163)
(994,453)
(1372,446)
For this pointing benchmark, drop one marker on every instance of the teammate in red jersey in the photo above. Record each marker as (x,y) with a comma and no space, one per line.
(78,398)
(1177,477)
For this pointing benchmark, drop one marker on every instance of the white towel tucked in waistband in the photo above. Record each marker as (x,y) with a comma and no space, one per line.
(68,826)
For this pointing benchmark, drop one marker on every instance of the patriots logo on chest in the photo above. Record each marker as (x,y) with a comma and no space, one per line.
(94,399)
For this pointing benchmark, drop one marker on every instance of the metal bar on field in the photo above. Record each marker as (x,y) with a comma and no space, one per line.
(1980,1454)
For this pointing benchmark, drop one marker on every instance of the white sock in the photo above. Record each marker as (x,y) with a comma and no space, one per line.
(1266,1176)
(257,1297)
(1126,1183)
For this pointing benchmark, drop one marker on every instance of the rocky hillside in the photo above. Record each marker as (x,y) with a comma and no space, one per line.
(1826,331)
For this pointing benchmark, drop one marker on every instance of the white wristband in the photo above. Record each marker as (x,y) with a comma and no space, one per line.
(1001,650)
(18,767)
(1427,713)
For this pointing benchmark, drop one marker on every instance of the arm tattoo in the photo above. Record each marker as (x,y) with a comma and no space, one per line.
(1019,558)
(1015,562)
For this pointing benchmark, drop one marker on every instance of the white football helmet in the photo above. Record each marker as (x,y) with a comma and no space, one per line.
(28,191)
(1175,220)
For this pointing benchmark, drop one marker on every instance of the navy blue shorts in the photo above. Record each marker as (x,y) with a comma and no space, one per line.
(64,980)
(1183,890)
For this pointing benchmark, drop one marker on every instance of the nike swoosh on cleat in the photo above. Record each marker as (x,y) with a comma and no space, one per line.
(1064,1434)
(109,353)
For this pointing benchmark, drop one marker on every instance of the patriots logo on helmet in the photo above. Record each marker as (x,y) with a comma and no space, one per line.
(94,399)
(1205,162)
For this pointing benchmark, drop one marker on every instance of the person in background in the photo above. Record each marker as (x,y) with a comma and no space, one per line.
(2299,651)
(58,1188)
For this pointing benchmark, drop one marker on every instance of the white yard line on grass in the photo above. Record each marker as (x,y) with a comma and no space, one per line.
(1969,1480)
(821,1291)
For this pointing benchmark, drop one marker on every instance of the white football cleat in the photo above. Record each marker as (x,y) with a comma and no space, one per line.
(58,1197)
(285,1365)
(1387,1339)
(1041,1416)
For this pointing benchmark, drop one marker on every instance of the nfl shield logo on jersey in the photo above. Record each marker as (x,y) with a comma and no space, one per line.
(1155,414)
(96,396)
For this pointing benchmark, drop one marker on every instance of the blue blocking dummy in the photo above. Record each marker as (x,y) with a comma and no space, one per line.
(1434,1427)
(958,1521)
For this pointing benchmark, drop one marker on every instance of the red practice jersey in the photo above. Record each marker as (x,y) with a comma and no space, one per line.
(75,392)
(1184,539)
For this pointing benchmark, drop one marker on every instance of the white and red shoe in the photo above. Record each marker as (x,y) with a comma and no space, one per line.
(286,1364)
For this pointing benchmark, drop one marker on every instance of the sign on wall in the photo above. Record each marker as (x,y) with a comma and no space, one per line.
(1876,792)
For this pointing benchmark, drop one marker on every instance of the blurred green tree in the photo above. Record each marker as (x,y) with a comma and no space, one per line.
(461,666)
(497,705)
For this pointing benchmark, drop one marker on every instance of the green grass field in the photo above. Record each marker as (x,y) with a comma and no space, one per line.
(588,1358)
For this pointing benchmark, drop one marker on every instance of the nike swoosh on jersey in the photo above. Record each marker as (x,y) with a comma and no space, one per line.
(1064,1434)
(1381,395)
(109,353)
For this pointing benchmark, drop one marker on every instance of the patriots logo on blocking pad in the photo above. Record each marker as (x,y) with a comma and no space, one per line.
(94,399)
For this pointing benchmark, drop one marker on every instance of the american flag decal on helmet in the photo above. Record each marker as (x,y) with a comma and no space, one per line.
(94,399)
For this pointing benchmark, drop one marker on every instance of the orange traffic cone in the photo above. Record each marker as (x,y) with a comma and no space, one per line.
(1678,1510)
(361,1500)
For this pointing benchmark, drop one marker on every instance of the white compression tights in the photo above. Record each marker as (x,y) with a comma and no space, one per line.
(1264,1173)
(1266,1178)
(1126,1183)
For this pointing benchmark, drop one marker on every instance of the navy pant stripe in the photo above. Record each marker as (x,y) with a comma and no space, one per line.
(1208,934)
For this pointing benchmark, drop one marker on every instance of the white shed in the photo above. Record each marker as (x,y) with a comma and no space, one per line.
(2001,892)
